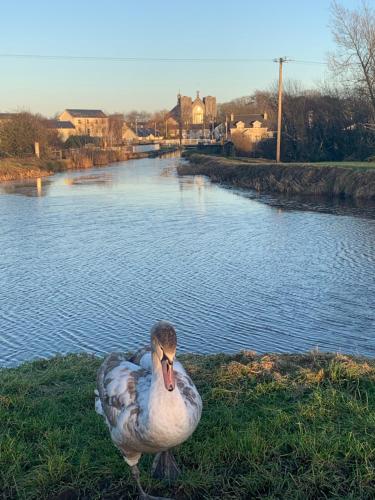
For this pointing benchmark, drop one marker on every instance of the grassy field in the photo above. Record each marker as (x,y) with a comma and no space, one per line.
(273,426)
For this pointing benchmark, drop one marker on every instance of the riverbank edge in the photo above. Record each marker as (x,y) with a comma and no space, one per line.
(275,425)
(292,179)
(14,169)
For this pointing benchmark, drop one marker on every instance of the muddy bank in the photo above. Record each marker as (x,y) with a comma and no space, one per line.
(302,179)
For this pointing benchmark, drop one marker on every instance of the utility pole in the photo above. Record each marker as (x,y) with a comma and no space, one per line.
(281,60)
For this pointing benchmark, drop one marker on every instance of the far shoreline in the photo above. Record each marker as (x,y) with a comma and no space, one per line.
(23,169)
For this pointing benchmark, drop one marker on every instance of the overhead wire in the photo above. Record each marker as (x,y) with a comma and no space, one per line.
(150,59)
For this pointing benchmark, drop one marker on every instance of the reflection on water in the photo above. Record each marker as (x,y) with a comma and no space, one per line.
(96,179)
(99,256)
(31,187)
(322,204)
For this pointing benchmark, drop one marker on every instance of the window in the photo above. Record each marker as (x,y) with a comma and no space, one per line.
(198,115)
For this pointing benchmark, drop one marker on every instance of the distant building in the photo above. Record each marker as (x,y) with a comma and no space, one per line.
(148,134)
(246,132)
(92,122)
(65,129)
(128,134)
(195,118)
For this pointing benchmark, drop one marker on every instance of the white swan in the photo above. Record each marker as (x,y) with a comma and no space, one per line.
(149,402)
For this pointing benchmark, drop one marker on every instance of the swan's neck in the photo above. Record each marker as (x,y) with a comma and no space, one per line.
(168,418)
(156,366)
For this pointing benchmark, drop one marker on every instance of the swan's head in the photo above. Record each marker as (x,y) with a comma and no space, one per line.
(164,344)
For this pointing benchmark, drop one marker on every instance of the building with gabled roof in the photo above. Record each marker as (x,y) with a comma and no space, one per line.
(92,122)
(246,132)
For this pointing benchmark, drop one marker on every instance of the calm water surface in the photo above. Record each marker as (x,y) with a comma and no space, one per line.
(89,260)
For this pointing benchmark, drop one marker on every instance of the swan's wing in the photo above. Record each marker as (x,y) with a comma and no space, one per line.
(189,393)
(117,382)
(142,357)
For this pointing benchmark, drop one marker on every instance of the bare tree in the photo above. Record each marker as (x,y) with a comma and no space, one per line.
(157,120)
(354,34)
(115,124)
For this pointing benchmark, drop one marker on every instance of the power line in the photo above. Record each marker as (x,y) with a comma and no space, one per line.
(147,59)
(300,61)
(131,59)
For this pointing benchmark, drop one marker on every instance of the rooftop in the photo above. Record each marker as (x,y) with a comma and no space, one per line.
(7,116)
(59,124)
(87,113)
(249,119)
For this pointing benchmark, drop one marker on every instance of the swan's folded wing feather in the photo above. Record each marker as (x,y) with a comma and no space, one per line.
(190,395)
(144,352)
(116,381)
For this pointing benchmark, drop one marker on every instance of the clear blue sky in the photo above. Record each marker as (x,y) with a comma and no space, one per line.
(219,29)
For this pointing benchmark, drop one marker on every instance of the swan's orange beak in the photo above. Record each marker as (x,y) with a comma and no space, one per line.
(168,373)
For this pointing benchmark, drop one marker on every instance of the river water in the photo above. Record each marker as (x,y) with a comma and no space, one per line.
(90,259)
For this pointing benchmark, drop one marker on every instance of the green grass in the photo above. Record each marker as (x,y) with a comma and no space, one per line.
(342,164)
(243,159)
(276,426)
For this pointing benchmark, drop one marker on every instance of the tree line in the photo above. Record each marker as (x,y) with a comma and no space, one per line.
(336,121)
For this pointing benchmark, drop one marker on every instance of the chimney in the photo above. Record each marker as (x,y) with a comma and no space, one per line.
(265,116)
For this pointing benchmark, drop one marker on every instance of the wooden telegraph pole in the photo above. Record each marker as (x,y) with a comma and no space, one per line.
(281,60)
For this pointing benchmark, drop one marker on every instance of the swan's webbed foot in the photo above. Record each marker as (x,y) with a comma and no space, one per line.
(165,467)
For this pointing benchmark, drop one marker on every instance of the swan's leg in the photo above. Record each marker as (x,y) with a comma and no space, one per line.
(142,494)
(165,466)
(136,476)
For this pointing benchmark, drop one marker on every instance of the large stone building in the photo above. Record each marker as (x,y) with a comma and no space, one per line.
(92,122)
(192,119)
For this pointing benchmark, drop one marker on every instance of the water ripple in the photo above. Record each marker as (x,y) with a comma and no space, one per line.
(99,257)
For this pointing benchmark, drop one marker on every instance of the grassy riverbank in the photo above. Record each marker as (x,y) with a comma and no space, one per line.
(277,426)
(29,168)
(345,180)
